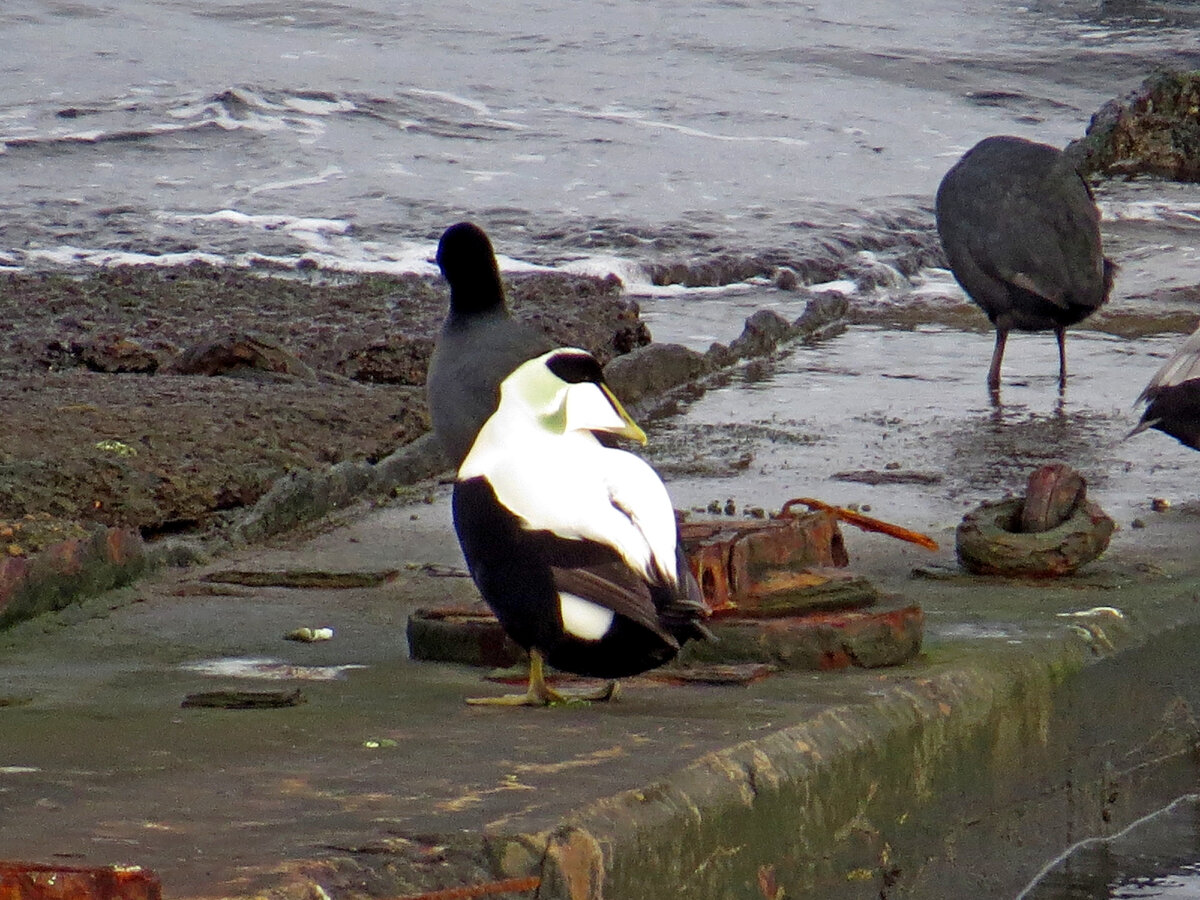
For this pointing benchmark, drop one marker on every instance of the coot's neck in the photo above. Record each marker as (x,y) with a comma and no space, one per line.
(479,295)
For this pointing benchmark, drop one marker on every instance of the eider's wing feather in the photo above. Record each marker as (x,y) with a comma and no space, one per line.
(614,587)
(567,553)
(636,490)
(589,493)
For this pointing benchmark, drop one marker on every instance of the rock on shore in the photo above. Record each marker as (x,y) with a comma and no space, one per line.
(1155,130)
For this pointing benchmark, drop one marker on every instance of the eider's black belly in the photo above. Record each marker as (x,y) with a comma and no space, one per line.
(513,569)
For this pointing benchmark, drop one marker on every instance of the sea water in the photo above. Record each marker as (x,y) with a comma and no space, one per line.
(599,137)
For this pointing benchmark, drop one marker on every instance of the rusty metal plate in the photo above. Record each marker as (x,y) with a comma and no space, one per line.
(761,567)
(822,641)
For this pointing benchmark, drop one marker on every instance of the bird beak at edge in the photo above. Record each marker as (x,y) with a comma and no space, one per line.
(1141,426)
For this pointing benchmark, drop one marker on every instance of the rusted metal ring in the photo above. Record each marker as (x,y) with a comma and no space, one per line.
(987,545)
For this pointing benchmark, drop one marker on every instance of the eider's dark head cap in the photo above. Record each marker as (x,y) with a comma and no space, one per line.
(574,366)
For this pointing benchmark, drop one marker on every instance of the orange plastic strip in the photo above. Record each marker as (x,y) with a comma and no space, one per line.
(866,523)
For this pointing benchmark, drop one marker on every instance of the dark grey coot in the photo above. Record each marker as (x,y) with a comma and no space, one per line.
(480,343)
(1173,396)
(1021,233)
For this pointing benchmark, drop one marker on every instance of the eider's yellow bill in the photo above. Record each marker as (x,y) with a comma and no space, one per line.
(591,406)
(631,430)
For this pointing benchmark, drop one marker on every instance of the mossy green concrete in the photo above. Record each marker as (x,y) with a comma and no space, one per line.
(949,784)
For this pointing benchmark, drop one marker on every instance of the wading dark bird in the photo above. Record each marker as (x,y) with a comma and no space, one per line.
(480,343)
(573,544)
(1173,396)
(1021,232)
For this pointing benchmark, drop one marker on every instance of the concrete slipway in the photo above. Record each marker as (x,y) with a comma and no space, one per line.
(1027,724)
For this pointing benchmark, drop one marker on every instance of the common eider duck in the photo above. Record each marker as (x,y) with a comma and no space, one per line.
(1021,232)
(573,544)
(1172,397)
(480,342)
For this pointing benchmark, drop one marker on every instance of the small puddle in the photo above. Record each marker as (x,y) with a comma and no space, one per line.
(901,420)
(267,669)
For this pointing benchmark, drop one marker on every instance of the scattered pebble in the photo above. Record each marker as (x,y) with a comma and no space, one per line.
(714,507)
(1138,523)
(119,448)
(379,743)
(1160,504)
(756,512)
(730,508)
(310,635)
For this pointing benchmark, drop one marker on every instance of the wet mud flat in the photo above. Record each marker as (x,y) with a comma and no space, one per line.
(1038,712)
(168,399)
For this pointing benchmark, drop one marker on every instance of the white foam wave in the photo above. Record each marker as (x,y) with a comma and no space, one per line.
(248,98)
(631,273)
(331,245)
(636,282)
(474,106)
(315,233)
(322,177)
(485,113)
(932,286)
(640,119)
(267,222)
(95,135)
(244,109)
(311,106)
(844,286)
(235,110)
(933,283)
(68,256)
(1149,211)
